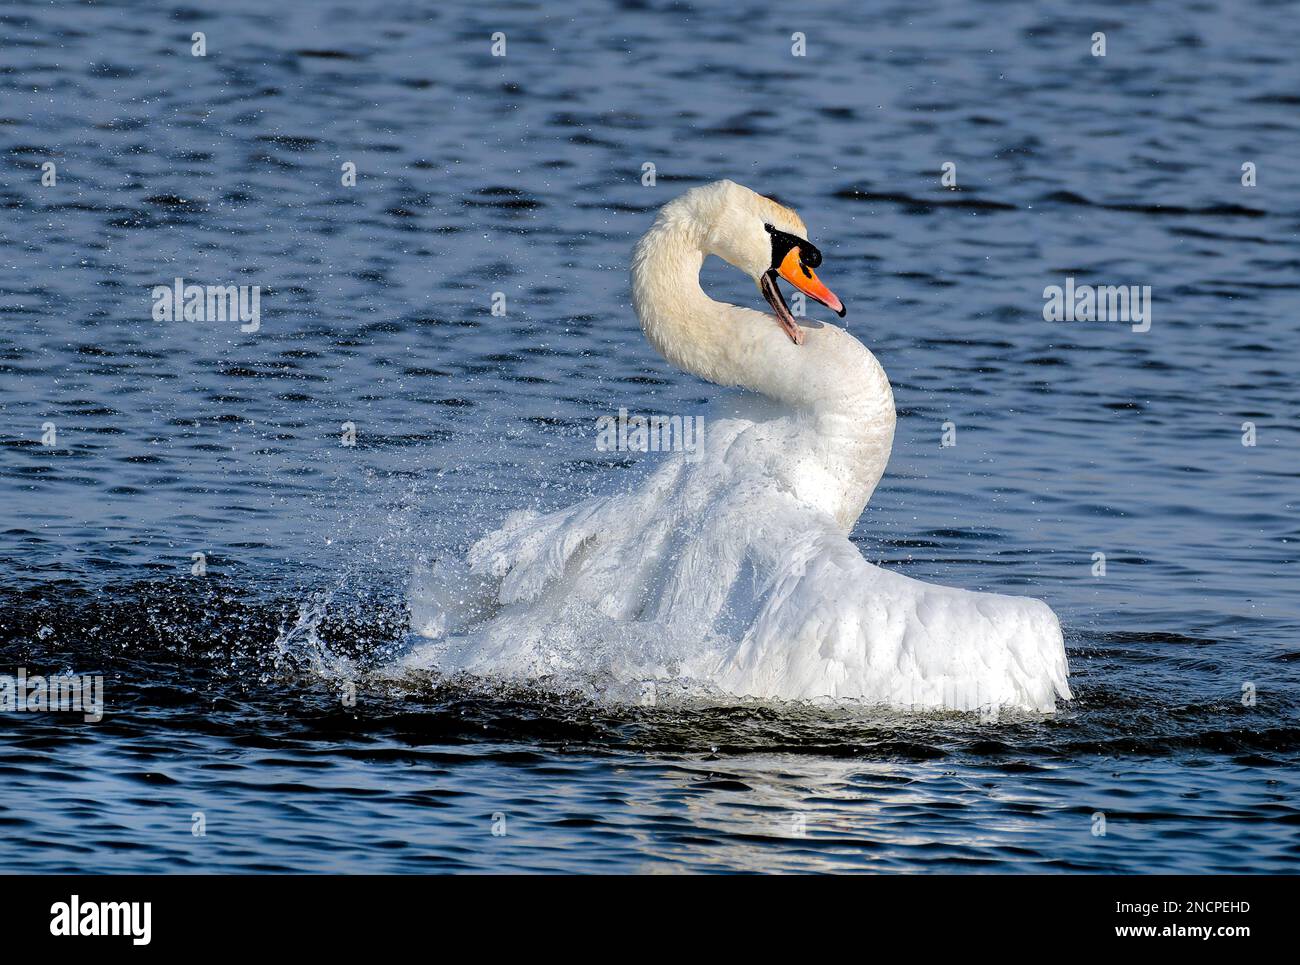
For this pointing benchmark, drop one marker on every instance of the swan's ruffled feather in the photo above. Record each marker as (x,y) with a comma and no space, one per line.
(713,570)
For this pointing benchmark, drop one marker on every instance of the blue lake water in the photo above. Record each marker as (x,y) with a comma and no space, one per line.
(523,175)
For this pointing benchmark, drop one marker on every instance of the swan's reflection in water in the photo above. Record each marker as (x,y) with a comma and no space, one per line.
(772,813)
(801,789)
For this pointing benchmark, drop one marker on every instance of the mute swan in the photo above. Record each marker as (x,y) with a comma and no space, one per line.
(733,570)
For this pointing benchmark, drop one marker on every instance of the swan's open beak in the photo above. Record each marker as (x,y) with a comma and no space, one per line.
(767,285)
(797,272)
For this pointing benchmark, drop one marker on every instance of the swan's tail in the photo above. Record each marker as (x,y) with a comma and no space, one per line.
(834,625)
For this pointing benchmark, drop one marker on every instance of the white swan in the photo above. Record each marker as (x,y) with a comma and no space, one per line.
(733,570)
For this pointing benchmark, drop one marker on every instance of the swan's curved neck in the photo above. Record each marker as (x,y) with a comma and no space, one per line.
(734,346)
(723,343)
(832,378)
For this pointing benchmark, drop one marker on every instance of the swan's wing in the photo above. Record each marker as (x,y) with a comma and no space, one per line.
(604,549)
(758,593)
(530,551)
(615,547)
(513,564)
(833,625)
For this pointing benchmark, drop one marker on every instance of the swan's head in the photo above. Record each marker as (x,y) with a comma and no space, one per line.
(765,240)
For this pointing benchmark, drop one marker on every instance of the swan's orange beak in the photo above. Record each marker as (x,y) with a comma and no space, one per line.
(793,270)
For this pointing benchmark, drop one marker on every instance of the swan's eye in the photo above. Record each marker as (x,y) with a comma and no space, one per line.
(783,243)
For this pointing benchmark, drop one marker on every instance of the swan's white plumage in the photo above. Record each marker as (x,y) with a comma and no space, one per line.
(732,568)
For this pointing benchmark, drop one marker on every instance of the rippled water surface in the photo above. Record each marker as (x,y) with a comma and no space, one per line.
(522,175)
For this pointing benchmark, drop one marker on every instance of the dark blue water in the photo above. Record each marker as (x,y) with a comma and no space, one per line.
(522,175)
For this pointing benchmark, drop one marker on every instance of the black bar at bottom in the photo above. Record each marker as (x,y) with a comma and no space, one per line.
(338,914)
